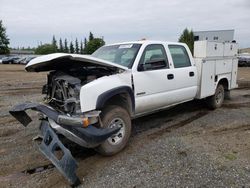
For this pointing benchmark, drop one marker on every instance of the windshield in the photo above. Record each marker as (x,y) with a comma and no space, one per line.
(123,54)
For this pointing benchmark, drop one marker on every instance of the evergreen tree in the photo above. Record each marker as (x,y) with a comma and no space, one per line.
(81,48)
(54,44)
(66,49)
(61,49)
(93,45)
(76,47)
(71,48)
(44,49)
(91,36)
(4,40)
(85,45)
(188,38)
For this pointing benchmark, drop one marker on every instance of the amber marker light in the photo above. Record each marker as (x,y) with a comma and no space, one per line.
(85,122)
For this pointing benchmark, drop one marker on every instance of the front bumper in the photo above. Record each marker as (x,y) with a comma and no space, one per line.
(89,136)
(66,164)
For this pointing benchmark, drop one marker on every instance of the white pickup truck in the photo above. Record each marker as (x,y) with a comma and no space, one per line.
(92,99)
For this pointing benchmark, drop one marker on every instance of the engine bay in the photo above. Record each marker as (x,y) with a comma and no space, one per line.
(63,87)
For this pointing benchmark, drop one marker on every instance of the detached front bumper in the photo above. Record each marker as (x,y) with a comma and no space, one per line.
(71,127)
(50,144)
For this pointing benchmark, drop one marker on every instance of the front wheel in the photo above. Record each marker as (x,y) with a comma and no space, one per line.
(113,116)
(217,99)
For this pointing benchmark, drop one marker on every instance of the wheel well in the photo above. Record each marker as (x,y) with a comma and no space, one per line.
(224,82)
(123,100)
(122,96)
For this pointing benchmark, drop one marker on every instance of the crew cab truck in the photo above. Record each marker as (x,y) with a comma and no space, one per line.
(91,99)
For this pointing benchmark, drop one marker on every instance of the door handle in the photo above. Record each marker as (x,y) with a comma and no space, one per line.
(191,74)
(170,76)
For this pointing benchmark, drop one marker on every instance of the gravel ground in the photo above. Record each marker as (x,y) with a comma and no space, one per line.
(186,146)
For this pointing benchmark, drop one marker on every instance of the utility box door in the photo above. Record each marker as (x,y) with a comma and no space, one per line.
(207,78)
(234,74)
(203,49)
(230,49)
(223,66)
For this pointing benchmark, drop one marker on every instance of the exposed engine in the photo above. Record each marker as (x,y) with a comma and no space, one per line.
(63,87)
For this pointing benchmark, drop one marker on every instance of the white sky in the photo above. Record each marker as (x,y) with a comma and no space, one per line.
(30,21)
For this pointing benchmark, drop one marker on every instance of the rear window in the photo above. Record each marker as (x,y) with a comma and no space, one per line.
(180,56)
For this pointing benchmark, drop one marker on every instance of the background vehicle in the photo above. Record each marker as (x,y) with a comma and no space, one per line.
(92,99)
(28,59)
(244,60)
(9,60)
(19,60)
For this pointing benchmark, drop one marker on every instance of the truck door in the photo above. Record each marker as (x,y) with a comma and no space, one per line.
(185,73)
(151,80)
(158,87)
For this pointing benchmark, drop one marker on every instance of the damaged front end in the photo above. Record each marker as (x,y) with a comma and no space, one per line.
(73,128)
(61,111)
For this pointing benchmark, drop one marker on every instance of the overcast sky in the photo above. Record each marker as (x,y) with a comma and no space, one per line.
(30,21)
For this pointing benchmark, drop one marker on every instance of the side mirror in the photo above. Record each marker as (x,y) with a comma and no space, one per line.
(153,64)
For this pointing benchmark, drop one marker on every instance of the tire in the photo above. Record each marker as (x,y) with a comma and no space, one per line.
(217,99)
(116,143)
(227,95)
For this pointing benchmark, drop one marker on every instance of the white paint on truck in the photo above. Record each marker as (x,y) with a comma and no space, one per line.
(154,89)
(178,78)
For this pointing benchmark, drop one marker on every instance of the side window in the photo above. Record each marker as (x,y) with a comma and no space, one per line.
(180,56)
(155,56)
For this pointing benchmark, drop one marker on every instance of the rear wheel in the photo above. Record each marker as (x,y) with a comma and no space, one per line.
(227,95)
(217,99)
(113,116)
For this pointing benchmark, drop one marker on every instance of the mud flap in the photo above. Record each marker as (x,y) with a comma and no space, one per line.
(66,164)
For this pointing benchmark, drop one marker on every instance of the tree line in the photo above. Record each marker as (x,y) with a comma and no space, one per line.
(87,46)
(77,47)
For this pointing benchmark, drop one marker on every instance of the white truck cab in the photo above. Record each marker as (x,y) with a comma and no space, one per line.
(163,74)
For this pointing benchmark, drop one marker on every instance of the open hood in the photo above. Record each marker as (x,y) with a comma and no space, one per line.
(64,61)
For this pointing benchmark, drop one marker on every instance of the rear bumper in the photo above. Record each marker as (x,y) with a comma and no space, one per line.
(89,136)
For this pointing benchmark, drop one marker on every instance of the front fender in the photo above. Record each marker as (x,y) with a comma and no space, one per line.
(90,92)
(115,91)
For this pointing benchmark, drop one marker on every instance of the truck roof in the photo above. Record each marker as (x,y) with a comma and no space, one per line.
(147,42)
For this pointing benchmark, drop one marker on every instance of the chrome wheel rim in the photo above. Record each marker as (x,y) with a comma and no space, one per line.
(117,138)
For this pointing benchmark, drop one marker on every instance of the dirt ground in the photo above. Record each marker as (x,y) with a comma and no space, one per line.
(186,146)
